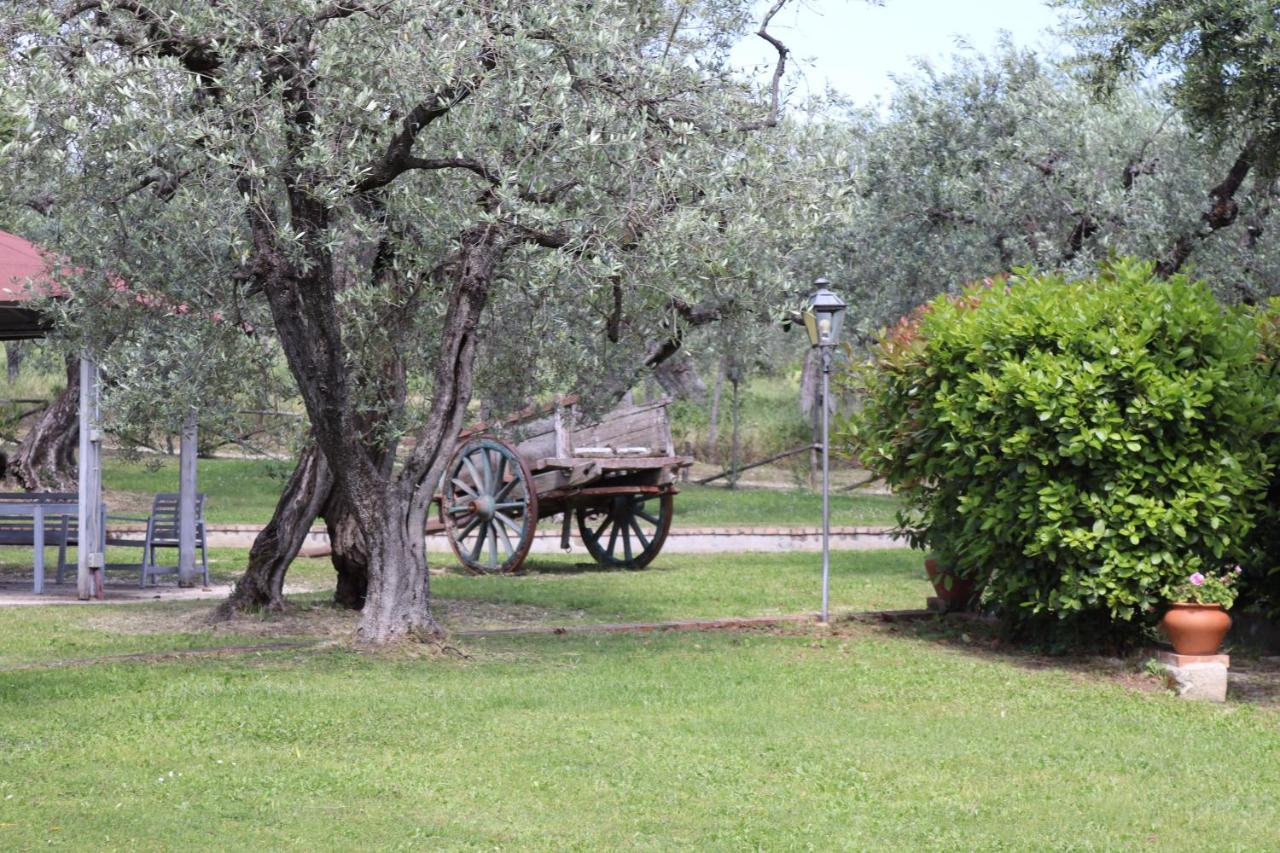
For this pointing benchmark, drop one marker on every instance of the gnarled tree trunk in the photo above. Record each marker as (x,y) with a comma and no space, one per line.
(397,603)
(46,456)
(262,584)
(679,378)
(15,352)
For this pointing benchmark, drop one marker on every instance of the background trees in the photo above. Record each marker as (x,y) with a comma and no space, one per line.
(1009,161)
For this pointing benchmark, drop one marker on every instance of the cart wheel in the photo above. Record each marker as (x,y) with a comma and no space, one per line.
(627,531)
(489,505)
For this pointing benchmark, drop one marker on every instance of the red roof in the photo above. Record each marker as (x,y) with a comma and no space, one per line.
(21,267)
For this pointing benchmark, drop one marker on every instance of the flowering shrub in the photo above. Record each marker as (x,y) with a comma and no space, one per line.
(1077,448)
(1200,588)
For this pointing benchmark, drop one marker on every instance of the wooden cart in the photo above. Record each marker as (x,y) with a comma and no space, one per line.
(615,477)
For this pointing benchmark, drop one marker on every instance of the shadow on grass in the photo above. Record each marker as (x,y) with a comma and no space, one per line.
(1254,680)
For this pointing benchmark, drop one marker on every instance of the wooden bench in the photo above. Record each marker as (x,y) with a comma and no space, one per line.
(161,532)
(59,524)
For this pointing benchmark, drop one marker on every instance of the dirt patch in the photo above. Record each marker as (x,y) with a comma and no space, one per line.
(1255,681)
(128,503)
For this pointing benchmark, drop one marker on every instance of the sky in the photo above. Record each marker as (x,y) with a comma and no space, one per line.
(856,46)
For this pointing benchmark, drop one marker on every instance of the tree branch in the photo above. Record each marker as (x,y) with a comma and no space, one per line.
(1222,212)
(197,54)
(398,156)
(335,11)
(775,85)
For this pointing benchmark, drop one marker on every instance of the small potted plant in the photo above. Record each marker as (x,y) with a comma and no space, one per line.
(1197,620)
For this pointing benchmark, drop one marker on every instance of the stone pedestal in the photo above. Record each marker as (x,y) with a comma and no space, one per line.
(1197,676)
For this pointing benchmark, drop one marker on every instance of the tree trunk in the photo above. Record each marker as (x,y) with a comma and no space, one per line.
(735,405)
(679,378)
(713,428)
(349,553)
(46,456)
(810,385)
(398,603)
(262,584)
(14,353)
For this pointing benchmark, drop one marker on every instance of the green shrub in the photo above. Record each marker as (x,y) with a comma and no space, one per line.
(1261,589)
(1079,448)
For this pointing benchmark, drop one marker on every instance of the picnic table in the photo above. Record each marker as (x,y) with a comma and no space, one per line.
(39,519)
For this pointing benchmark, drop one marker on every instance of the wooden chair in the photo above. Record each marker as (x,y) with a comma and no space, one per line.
(162,532)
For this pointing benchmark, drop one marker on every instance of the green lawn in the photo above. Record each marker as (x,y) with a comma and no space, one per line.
(864,737)
(690,586)
(712,506)
(552,591)
(244,491)
(240,491)
(722,741)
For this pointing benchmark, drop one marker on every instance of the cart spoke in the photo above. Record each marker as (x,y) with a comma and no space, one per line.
(501,472)
(493,546)
(461,484)
(466,531)
(506,489)
(644,540)
(486,462)
(599,531)
(509,523)
(509,505)
(475,475)
(475,550)
(509,549)
(613,536)
(626,539)
(460,509)
(649,518)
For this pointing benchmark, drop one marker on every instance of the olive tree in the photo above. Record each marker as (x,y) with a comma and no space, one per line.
(1222,62)
(1007,161)
(365,179)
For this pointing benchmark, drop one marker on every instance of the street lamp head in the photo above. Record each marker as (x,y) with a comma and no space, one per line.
(824,317)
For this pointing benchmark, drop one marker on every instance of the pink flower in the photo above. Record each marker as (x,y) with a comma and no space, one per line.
(216,316)
(1237,570)
(1196,579)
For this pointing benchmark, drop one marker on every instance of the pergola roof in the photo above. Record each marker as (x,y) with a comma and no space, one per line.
(23,275)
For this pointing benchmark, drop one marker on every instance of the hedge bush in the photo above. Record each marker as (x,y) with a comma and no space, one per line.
(1078,448)
(1262,569)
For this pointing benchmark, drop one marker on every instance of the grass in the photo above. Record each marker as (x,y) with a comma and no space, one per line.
(858,740)
(711,506)
(673,587)
(862,737)
(244,491)
(240,491)
(689,586)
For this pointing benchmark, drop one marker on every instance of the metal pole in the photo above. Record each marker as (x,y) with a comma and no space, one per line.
(826,486)
(187,502)
(89,553)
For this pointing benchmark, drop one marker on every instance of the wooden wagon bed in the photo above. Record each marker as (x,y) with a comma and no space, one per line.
(615,475)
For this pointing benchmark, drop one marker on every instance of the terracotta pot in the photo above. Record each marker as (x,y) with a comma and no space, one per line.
(1196,629)
(958,591)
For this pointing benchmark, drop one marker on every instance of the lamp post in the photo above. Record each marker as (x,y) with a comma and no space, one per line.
(823,321)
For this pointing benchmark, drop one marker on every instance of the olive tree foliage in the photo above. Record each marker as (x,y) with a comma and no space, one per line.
(367,179)
(1222,60)
(1008,161)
